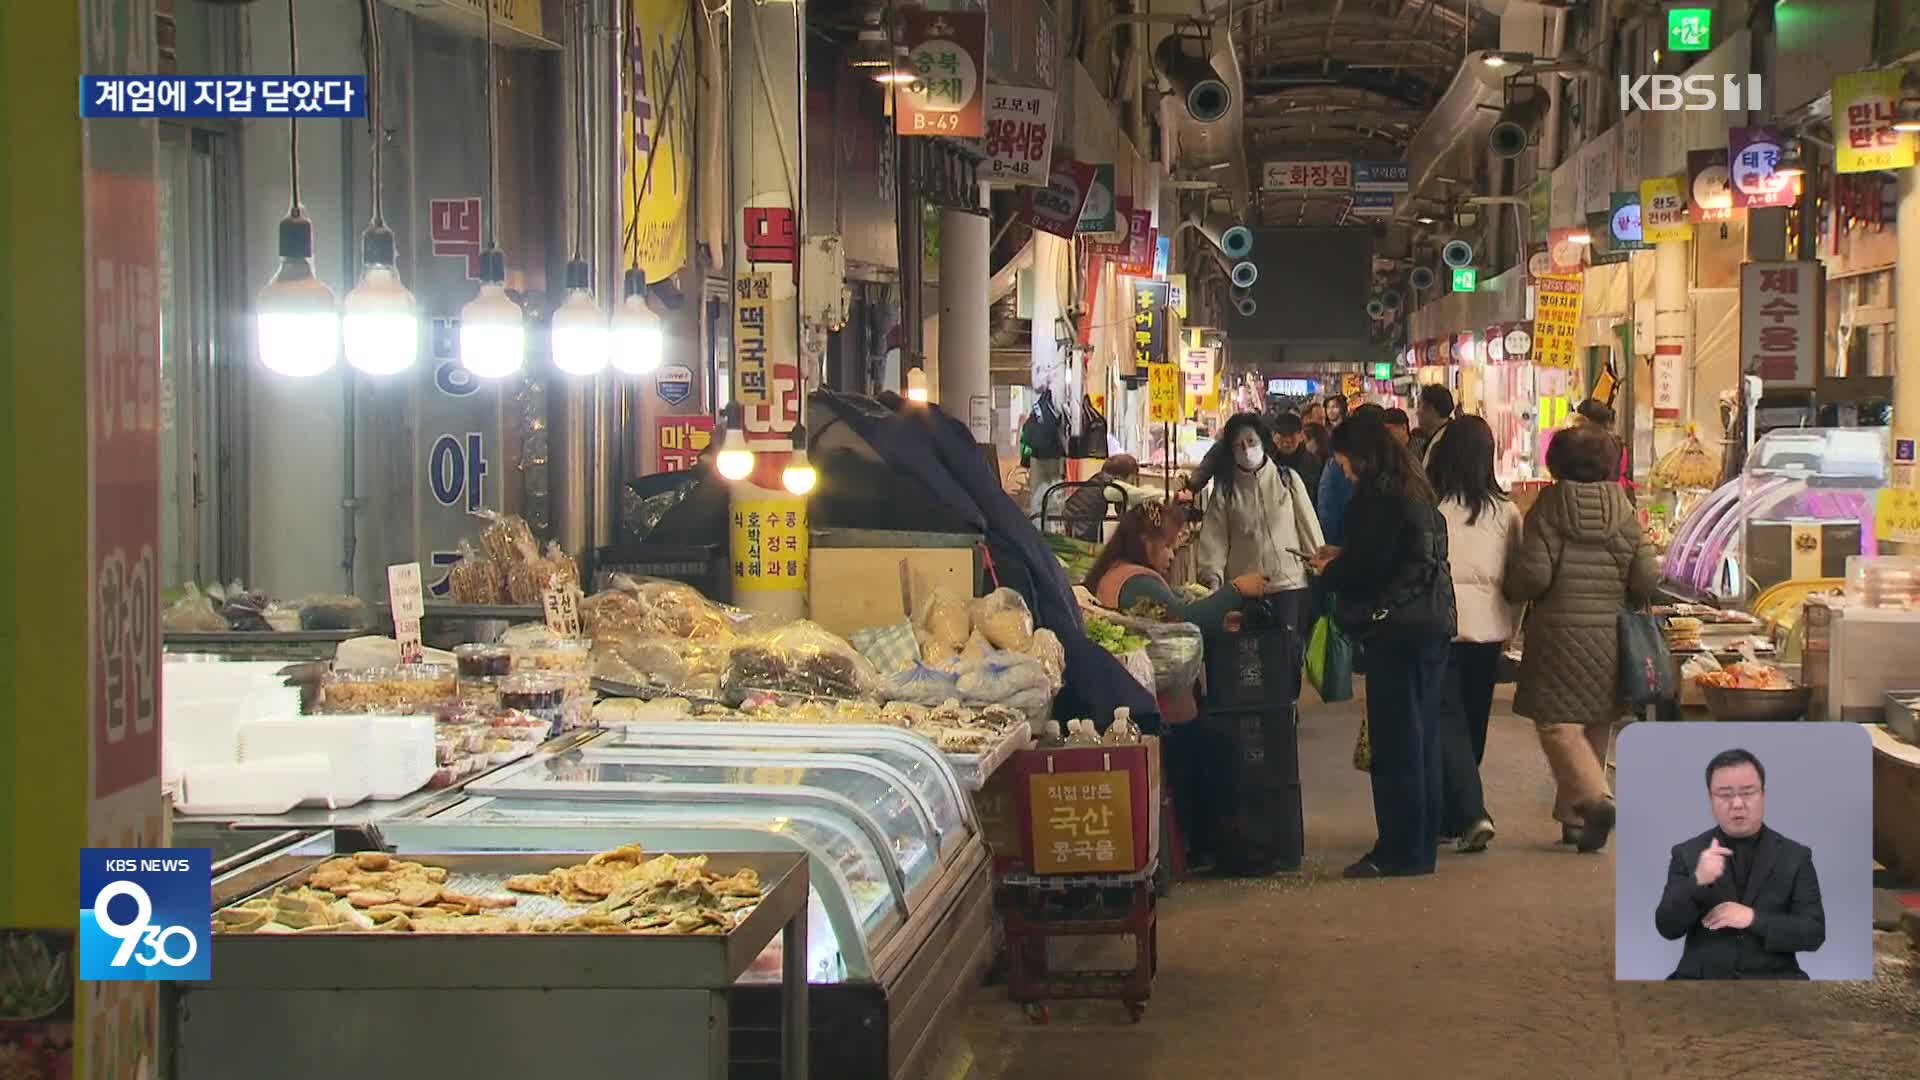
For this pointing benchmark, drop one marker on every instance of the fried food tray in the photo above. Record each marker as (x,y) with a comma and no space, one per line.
(341,960)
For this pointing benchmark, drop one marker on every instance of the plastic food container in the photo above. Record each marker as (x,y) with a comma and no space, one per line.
(399,690)
(537,695)
(479,693)
(483,661)
(555,654)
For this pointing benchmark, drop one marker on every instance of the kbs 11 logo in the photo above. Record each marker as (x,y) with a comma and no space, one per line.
(1690,93)
(146,914)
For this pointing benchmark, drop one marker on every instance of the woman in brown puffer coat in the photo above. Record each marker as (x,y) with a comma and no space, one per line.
(1582,560)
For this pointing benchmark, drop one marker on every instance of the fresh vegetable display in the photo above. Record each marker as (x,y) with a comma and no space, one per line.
(1113,637)
(35,980)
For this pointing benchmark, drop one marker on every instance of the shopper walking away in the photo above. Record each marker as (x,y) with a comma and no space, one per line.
(1599,414)
(1259,519)
(1291,450)
(1395,594)
(1582,560)
(1483,531)
(1432,416)
(1336,491)
(1131,571)
(1043,448)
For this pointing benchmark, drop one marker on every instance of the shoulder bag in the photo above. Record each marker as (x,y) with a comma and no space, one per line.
(1416,602)
(1091,442)
(1647,675)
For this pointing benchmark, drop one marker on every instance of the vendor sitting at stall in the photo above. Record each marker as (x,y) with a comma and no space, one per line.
(1086,507)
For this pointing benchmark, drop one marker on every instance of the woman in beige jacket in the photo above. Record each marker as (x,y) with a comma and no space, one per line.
(1582,561)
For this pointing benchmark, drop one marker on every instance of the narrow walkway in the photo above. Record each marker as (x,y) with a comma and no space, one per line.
(1501,965)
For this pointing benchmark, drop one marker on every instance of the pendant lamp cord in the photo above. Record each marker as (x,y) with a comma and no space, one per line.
(633,43)
(373,104)
(493,211)
(581,75)
(293,122)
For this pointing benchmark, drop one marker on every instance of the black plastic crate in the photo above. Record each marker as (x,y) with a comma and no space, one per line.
(1253,764)
(1253,669)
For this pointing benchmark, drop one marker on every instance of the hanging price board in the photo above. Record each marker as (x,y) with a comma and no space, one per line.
(1896,515)
(1163,393)
(408,602)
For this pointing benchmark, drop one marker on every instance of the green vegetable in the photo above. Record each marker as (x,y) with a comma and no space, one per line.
(1113,637)
(34,980)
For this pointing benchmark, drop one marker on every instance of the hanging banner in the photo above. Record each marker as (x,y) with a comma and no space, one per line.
(1142,242)
(1019,134)
(1163,394)
(1307,176)
(1779,322)
(1380,176)
(1177,293)
(1516,345)
(1197,366)
(1149,324)
(1602,250)
(769,544)
(1556,321)
(1099,214)
(751,292)
(1709,186)
(1669,372)
(1663,210)
(1865,105)
(1623,221)
(1566,252)
(1752,153)
(1133,230)
(656,138)
(946,53)
(678,440)
(1056,207)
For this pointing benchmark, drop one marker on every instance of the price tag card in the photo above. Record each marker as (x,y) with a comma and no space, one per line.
(563,611)
(409,604)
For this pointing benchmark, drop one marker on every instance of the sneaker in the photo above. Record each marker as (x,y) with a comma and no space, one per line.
(1599,816)
(1570,835)
(1365,868)
(1479,835)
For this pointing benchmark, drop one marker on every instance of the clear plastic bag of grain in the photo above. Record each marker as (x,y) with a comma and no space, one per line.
(475,579)
(507,538)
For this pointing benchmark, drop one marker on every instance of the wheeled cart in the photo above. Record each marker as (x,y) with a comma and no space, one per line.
(1053,914)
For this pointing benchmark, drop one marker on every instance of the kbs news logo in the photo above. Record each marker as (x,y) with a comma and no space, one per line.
(1690,93)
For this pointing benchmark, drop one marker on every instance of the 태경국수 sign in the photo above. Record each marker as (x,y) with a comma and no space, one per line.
(1779,330)
(1867,103)
(947,54)
(1019,134)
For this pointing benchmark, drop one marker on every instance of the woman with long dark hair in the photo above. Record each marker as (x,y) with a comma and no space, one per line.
(1393,591)
(1483,530)
(1259,518)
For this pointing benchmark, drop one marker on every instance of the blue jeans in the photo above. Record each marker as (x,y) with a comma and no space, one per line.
(1404,680)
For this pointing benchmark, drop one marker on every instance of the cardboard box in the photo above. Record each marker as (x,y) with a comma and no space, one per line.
(1088,809)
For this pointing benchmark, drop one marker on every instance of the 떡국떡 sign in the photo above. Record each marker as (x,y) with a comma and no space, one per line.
(769,544)
(751,291)
(1019,134)
(947,55)
(1779,331)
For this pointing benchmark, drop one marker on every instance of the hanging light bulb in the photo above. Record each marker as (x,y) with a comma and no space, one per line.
(917,385)
(638,342)
(379,327)
(493,332)
(735,459)
(299,326)
(579,329)
(799,476)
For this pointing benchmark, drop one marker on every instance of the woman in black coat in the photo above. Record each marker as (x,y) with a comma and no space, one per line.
(1394,593)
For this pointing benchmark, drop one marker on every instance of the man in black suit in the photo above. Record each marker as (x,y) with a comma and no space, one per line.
(1745,897)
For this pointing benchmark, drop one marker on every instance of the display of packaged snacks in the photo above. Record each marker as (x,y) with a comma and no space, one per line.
(507,539)
(476,578)
(483,661)
(411,689)
(538,695)
(551,653)
(480,693)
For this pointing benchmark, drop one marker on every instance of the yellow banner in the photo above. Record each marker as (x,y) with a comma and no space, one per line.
(1865,105)
(1556,319)
(770,544)
(1896,515)
(1663,210)
(751,291)
(1163,393)
(660,109)
(1179,294)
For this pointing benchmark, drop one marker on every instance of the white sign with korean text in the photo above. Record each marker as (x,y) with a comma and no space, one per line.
(1779,322)
(408,602)
(1019,143)
(1307,176)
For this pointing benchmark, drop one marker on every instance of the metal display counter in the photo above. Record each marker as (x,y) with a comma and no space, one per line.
(487,1006)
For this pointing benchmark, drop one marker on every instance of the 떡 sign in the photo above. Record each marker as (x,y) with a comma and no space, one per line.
(1082,822)
(1867,103)
(453,231)
(1100,209)
(1752,153)
(751,292)
(1623,221)
(1019,134)
(1689,29)
(1056,207)
(1380,176)
(1663,210)
(1307,176)
(1556,320)
(678,440)
(769,544)
(946,53)
(1709,186)
(1779,322)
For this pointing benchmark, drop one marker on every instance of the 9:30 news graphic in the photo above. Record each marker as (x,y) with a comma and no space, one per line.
(146,914)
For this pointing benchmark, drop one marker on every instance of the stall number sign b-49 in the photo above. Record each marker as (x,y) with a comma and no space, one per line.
(145,914)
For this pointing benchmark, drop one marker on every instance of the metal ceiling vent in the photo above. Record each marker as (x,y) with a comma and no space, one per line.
(1526,104)
(1182,58)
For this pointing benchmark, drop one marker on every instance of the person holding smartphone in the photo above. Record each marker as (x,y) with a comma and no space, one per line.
(1258,517)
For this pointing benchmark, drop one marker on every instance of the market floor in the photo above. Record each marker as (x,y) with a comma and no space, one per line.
(1500,965)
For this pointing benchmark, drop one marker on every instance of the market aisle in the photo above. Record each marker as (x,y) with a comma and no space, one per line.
(1500,965)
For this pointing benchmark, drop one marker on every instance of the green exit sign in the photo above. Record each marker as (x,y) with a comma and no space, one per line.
(1466,279)
(1383,371)
(1689,29)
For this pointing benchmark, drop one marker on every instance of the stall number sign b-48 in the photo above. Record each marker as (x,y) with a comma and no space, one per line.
(145,914)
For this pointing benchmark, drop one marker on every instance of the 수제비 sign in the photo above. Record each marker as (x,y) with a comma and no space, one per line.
(1082,822)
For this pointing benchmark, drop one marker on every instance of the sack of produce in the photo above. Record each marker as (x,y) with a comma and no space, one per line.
(1176,649)
(946,619)
(920,685)
(192,613)
(1002,617)
(799,658)
(321,612)
(1005,678)
(1047,649)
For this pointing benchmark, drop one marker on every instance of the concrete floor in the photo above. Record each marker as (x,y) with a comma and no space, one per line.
(1501,965)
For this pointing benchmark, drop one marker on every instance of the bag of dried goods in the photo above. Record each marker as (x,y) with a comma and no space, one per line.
(323,612)
(1047,649)
(475,579)
(507,539)
(193,613)
(1000,676)
(799,658)
(919,685)
(562,570)
(946,619)
(1003,617)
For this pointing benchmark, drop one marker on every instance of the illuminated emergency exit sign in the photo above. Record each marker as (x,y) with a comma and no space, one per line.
(1383,371)
(1466,279)
(1689,29)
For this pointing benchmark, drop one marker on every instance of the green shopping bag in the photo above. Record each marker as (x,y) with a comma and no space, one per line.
(1330,661)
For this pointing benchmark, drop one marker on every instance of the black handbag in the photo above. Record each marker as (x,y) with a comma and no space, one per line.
(1091,441)
(1416,603)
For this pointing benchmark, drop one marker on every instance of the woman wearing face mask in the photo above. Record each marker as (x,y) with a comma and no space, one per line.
(1259,519)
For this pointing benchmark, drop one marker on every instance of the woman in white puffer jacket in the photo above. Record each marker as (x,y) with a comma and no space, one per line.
(1483,528)
(1258,519)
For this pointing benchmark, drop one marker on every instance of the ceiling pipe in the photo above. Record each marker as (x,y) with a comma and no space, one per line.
(1462,116)
(1221,144)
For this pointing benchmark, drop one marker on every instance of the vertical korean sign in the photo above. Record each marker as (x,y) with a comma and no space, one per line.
(751,292)
(658,158)
(769,544)
(1056,207)
(1780,322)
(946,53)
(1020,129)
(1752,154)
(1557,300)
(1149,323)
(1865,104)
(678,440)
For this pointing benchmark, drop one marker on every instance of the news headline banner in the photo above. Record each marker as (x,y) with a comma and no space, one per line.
(240,97)
(146,914)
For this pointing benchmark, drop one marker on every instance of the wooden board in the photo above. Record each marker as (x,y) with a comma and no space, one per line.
(854,588)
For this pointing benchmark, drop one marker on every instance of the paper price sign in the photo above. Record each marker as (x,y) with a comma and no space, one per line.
(146,914)
(562,609)
(408,602)
(1896,515)
(1163,393)
(1082,822)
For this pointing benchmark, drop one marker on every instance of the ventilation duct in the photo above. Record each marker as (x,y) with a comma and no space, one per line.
(1214,150)
(1422,278)
(1182,57)
(1512,133)
(1462,116)
(1234,241)
(1458,254)
(1244,274)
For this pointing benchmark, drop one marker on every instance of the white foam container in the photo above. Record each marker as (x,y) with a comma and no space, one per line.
(403,758)
(347,742)
(266,786)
